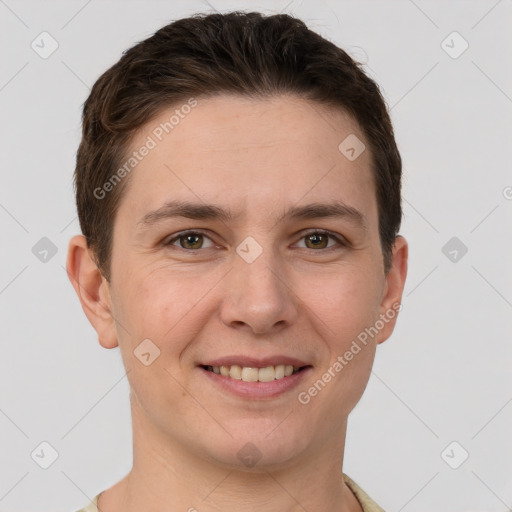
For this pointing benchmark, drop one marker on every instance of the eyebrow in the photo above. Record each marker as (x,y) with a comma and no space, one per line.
(171,209)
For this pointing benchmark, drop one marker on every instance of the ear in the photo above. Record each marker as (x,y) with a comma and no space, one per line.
(92,289)
(393,289)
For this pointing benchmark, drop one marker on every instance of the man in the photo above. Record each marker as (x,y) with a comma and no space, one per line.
(238,190)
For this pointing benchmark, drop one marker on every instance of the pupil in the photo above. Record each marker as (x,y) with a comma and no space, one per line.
(188,239)
(317,239)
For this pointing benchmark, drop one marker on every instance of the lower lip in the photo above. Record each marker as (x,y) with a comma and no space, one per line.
(255,390)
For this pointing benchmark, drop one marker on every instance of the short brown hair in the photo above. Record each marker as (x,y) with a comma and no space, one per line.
(247,54)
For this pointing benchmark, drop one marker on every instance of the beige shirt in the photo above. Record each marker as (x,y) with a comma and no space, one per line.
(367,504)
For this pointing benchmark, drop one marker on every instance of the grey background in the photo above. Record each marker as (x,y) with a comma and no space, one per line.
(445,374)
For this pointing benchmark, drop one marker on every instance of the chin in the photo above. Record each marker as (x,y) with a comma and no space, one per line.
(254,448)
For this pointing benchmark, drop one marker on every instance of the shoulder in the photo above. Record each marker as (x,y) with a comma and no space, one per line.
(367,504)
(91,507)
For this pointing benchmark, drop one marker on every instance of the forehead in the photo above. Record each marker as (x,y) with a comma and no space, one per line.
(249,152)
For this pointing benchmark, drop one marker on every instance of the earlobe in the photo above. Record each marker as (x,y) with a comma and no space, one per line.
(393,289)
(92,290)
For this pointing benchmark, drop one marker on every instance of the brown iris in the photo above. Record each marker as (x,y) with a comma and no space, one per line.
(193,241)
(318,240)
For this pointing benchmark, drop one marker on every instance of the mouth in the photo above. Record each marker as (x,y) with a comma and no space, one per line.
(261,381)
(255,377)
(255,374)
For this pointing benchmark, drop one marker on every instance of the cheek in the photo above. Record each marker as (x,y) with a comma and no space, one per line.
(169,308)
(343,308)
(342,303)
(162,311)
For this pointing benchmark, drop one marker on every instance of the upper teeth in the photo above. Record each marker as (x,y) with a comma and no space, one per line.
(249,374)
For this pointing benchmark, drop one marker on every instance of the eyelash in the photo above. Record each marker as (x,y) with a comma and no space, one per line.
(341,241)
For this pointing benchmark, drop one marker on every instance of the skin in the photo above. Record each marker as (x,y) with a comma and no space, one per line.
(294,299)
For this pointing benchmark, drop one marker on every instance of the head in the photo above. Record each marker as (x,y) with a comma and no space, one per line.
(243,123)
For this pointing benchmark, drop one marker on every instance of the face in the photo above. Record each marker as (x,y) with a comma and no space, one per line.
(247,275)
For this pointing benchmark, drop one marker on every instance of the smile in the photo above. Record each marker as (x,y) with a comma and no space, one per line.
(252,374)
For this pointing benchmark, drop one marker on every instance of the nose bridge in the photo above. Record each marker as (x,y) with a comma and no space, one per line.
(257,293)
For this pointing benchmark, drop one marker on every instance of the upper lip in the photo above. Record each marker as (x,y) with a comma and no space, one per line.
(255,362)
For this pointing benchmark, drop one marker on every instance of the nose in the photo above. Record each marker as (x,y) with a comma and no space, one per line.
(259,296)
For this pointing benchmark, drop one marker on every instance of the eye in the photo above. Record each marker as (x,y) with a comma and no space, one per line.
(189,240)
(318,239)
(195,240)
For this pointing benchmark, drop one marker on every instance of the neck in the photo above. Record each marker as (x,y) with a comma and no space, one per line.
(167,475)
